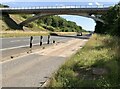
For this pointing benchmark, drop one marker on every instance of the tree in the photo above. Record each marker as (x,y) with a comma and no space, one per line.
(112,20)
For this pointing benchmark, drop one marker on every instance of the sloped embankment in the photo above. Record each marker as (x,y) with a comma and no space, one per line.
(96,65)
(10,23)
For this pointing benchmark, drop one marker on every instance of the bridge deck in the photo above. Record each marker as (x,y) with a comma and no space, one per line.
(56,9)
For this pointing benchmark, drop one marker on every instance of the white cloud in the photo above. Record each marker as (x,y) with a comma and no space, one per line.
(90,4)
(7,1)
(97,3)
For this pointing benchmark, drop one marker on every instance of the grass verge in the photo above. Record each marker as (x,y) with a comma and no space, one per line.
(101,52)
(29,33)
(21,33)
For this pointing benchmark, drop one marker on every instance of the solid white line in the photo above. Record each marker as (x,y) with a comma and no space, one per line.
(19,47)
(15,41)
(25,46)
(14,37)
(25,40)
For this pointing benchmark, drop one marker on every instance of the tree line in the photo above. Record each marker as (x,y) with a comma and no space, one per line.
(111,22)
(57,23)
(1,5)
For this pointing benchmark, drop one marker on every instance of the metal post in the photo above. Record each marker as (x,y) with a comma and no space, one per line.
(31,40)
(41,37)
(48,39)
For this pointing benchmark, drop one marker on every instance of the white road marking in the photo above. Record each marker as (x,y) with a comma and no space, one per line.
(14,37)
(15,41)
(26,40)
(19,47)
(23,40)
(26,46)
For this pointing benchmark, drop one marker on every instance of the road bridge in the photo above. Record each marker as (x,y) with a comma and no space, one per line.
(85,11)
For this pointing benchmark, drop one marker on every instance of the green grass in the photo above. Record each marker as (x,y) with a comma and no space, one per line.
(101,51)
(30,33)
(22,33)
(11,24)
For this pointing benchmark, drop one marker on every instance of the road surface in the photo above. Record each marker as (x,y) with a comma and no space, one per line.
(15,46)
(12,43)
(34,69)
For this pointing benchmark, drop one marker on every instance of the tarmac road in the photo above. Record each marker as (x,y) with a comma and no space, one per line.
(16,46)
(34,69)
(18,42)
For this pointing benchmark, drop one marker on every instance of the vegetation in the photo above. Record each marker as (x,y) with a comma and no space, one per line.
(99,52)
(97,64)
(10,23)
(22,33)
(1,5)
(56,23)
(112,22)
(31,33)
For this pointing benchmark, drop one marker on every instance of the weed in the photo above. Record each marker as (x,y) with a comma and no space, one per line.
(101,51)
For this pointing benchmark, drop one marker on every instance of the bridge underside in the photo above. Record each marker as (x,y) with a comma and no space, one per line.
(38,16)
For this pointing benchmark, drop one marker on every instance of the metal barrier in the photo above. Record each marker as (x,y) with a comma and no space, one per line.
(60,7)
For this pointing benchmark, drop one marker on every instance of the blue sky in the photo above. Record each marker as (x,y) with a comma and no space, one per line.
(59,1)
(86,23)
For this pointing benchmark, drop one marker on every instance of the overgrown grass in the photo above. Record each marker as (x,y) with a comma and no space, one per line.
(101,51)
(22,33)
(30,33)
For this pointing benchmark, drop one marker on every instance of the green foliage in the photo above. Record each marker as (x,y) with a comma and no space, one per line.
(1,5)
(30,25)
(112,22)
(99,52)
(60,24)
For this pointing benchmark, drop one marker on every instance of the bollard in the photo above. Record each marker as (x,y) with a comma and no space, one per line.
(41,37)
(53,41)
(48,39)
(31,39)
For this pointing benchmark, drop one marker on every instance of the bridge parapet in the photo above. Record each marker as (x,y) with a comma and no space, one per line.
(59,7)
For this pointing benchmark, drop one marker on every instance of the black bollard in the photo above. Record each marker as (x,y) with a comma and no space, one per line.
(53,41)
(41,37)
(31,39)
(48,39)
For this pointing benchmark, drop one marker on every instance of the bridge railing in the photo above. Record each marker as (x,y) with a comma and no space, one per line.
(60,7)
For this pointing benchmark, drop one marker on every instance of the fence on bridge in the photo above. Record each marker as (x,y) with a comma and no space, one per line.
(55,7)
